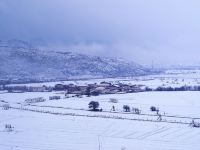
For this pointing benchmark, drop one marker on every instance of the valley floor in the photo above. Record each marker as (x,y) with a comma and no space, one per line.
(67,124)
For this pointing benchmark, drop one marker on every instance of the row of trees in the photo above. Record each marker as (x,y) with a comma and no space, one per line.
(27,88)
(94,106)
(182,88)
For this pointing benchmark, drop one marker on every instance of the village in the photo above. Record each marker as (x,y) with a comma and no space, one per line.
(95,89)
(89,89)
(111,103)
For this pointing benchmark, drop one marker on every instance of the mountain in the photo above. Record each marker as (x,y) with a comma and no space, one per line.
(21,62)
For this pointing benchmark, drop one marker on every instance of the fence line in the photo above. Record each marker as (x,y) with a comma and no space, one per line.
(98,116)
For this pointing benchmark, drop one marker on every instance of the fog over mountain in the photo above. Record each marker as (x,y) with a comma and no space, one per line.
(165,32)
(21,62)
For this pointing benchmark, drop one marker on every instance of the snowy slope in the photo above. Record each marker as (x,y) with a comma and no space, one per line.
(21,61)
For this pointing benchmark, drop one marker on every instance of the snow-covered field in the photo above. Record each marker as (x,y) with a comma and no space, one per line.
(43,131)
(35,131)
(66,124)
(48,132)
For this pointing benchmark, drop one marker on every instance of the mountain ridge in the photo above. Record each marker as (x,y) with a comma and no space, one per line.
(22,62)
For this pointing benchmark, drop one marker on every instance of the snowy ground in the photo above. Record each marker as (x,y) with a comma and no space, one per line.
(66,124)
(48,132)
(43,131)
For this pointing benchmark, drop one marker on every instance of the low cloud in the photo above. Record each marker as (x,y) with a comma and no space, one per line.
(165,32)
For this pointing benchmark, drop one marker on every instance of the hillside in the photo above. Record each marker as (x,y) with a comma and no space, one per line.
(21,62)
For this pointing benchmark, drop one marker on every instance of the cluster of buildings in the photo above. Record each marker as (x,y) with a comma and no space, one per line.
(88,89)
(101,88)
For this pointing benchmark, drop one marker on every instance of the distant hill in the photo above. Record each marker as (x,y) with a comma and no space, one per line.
(20,62)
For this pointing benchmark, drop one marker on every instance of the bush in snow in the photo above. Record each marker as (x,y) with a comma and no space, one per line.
(153,108)
(9,128)
(136,110)
(93,105)
(126,108)
(195,124)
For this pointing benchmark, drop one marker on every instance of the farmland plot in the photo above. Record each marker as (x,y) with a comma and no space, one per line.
(67,123)
(49,132)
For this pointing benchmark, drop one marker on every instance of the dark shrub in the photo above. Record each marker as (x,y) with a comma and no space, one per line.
(93,105)
(136,110)
(153,108)
(126,108)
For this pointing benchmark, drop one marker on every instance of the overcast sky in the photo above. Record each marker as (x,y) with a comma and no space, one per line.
(165,31)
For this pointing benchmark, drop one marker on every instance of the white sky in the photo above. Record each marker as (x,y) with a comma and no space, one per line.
(165,31)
